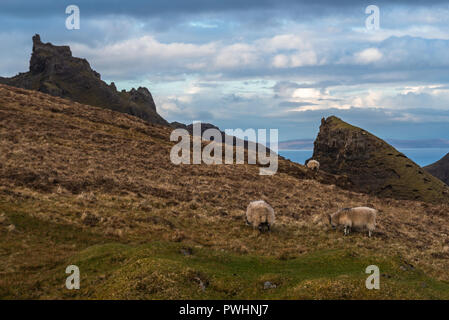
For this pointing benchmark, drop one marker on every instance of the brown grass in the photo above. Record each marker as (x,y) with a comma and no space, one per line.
(109,174)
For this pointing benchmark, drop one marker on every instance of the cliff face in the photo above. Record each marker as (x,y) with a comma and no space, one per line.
(440,169)
(372,165)
(55,71)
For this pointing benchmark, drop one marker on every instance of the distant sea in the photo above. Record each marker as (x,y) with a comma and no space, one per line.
(422,156)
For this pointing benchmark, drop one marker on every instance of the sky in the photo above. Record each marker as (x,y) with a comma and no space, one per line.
(280,64)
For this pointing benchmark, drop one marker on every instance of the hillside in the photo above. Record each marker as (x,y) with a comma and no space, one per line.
(372,165)
(53,70)
(440,169)
(92,187)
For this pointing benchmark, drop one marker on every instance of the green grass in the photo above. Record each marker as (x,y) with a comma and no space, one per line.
(34,259)
(160,270)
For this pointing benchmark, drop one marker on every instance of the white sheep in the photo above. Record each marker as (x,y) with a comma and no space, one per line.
(260,214)
(313,165)
(360,217)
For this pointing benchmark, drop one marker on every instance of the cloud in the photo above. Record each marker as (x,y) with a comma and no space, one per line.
(299,59)
(367,56)
(431,97)
(146,54)
(293,105)
(281,61)
(138,56)
(237,55)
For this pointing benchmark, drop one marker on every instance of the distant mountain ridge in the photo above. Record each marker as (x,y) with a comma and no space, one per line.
(297,144)
(418,144)
(307,144)
(53,70)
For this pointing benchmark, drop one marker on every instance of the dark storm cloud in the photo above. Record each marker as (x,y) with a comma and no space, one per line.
(24,8)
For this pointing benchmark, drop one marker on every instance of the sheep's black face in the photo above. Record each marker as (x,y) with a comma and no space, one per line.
(264,227)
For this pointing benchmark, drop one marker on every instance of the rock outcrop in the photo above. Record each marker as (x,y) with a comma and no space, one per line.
(372,165)
(440,169)
(55,71)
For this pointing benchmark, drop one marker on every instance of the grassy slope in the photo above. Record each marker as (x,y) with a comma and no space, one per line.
(159,270)
(91,187)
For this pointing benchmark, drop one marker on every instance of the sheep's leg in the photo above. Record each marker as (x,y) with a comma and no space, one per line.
(347,230)
(369,233)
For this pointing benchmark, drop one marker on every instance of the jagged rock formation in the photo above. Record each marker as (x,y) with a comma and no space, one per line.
(53,70)
(440,169)
(372,165)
